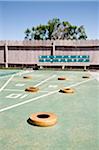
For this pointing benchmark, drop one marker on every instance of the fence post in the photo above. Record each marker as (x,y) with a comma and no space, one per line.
(53,47)
(6,55)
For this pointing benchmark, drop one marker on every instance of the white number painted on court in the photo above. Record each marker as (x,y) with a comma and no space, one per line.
(20,84)
(14,95)
(52,86)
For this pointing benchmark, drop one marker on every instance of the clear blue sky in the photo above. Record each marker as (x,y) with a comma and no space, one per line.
(16,16)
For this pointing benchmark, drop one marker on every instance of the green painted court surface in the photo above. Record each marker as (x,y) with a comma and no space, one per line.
(78,120)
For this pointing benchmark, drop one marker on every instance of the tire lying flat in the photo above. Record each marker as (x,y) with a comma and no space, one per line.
(67,90)
(43,119)
(27,77)
(32,89)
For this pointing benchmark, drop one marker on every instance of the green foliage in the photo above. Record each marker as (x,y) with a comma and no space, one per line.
(27,33)
(51,26)
(55,29)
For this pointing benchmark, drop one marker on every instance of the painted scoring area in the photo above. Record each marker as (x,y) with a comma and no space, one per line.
(46,85)
(77,114)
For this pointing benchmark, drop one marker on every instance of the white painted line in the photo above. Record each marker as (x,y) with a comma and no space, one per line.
(45,80)
(20,84)
(28,101)
(36,98)
(13,95)
(86,80)
(23,96)
(52,86)
(7,76)
(18,95)
(95,75)
(20,90)
(13,90)
(6,83)
(24,72)
(17,73)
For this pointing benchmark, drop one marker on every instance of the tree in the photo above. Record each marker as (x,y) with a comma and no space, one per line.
(61,31)
(55,29)
(81,33)
(52,25)
(32,33)
(27,34)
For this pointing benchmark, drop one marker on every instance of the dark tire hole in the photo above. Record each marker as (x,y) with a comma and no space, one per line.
(43,116)
(67,89)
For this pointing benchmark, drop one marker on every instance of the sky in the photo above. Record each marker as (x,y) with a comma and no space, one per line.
(17,16)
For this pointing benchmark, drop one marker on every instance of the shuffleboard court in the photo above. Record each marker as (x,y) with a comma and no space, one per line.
(78,119)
